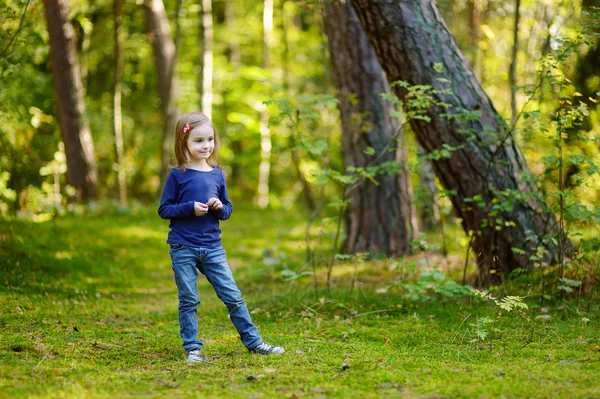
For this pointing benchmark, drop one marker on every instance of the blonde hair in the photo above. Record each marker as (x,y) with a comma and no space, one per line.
(194,120)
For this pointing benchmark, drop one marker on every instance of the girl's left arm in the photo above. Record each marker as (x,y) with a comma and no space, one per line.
(224,213)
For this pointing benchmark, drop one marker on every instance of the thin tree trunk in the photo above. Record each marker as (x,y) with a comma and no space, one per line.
(430,215)
(238,171)
(265,134)
(512,73)
(86,35)
(409,37)
(475,11)
(206,58)
(378,217)
(534,36)
(165,55)
(325,55)
(234,47)
(117,119)
(74,127)
(309,198)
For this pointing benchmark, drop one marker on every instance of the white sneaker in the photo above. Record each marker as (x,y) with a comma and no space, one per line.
(266,349)
(194,356)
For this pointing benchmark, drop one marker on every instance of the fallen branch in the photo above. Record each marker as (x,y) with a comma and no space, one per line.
(167,383)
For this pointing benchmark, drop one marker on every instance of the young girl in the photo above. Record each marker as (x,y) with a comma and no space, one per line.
(194,199)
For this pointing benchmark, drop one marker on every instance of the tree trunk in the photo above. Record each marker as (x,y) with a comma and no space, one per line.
(235,55)
(265,134)
(307,194)
(206,58)
(117,119)
(165,55)
(85,41)
(74,127)
(430,210)
(533,38)
(409,37)
(475,14)
(378,217)
(238,175)
(512,73)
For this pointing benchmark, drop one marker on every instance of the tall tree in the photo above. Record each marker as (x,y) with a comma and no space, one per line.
(512,73)
(85,41)
(430,209)
(165,56)
(475,17)
(118,78)
(307,193)
(409,38)
(206,58)
(82,172)
(265,134)
(239,171)
(378,217)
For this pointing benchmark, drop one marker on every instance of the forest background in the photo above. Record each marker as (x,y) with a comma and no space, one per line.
(271,76)
(270,83)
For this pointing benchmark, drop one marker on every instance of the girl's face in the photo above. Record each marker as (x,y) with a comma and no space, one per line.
(200,143)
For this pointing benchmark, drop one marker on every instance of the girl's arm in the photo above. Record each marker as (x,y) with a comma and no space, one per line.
(224,213)
(169,208)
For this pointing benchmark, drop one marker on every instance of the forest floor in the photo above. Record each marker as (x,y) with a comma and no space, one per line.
(88,309)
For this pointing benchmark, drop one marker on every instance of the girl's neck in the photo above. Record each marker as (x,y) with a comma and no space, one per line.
(201,166)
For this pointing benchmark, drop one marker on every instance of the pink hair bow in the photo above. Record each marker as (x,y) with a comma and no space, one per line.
(186,128)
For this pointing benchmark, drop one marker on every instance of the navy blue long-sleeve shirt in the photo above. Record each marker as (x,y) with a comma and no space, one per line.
(181,190)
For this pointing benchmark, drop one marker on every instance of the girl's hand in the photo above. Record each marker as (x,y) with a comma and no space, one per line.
(215,203)
(200,208)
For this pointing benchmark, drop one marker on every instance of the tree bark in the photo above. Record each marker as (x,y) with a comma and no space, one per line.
(409,37)
(206,58)
(85,42)
(378,217)
(82,172)
(430,210)
(512,73)
(265,134)
(117,117)
(236,141)
(165,55)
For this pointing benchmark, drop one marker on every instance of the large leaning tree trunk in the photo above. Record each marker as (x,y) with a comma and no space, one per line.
(74,126)
(409,38)
(378,217)
(165,56)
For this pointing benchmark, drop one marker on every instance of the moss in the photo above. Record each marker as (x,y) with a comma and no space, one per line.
(88,309)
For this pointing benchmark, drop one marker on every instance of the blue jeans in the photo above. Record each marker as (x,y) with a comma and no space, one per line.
(211,262)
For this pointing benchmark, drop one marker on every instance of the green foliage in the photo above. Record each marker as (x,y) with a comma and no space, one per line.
(507,303)
(482,327)
(568,285)
(430,285)
(290,275)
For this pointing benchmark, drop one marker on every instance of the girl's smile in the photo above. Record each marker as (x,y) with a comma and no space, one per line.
(201,143)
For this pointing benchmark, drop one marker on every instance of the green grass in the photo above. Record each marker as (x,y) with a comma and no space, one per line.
(89,310)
